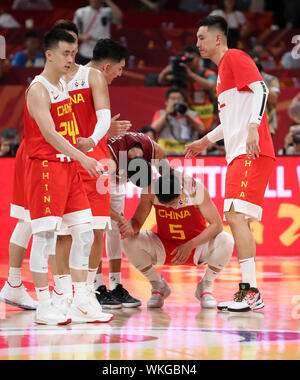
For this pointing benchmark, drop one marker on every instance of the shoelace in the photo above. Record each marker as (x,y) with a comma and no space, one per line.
(106,296)
(240,295)
(120,291)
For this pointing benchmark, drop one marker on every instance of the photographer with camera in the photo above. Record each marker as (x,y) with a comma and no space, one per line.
(186,71)
(292,139)
(176,124)
(9,142)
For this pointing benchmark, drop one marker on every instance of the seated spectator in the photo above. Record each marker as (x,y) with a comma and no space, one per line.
(7,20)
(33,5)
(9,142)
(31,56)
(149,131)
(273,85)
(288,61)
(237,23)
(266,59)
(176,124)
(198,81)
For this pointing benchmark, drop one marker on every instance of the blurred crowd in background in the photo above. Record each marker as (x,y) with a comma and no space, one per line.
(160,35)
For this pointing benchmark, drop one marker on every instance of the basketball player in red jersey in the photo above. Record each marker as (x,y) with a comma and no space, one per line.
(242,96)
(182,208)
(54,191)
(88,91)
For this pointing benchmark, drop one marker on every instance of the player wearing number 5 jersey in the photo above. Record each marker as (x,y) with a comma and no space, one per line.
(242,97)
(182,208)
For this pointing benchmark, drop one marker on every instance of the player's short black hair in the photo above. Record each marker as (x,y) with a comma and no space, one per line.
(176,89)
(56,35)
(139,172)
(147,129)
(109,49)
(167,188)
(218,22)
(67,25)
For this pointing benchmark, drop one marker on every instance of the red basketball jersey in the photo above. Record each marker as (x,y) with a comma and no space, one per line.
(236,71)
(61,111)
(177,226)
(84,110)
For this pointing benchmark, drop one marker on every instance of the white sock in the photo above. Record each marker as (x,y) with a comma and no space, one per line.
(114,280)
(43,294)
(79,290)
(98,280)
(65,282)
(14,276)
(209,278)
(91,275)
(248,270)
(57,288)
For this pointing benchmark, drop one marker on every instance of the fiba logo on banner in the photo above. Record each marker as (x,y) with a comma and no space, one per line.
(2,48)
(296,49)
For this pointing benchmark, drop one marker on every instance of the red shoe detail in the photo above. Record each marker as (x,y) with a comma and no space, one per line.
(14,287)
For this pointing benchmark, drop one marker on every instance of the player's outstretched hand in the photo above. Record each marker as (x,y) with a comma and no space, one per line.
(118,127)
(181,253)
(92,166)
(252,143)
(193,149)
(85,144)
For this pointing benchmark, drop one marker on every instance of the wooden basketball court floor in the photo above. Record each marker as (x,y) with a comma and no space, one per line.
(179,331)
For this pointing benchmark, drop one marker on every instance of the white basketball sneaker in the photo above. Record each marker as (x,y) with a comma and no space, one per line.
(86,309)
(17,296)
(246,299)
(207,301)
(62,302)
(160,292)
(48,314)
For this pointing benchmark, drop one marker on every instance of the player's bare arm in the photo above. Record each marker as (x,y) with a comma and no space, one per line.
(99,89)
(211,214)
(141,214)
(38,104)
(195,148)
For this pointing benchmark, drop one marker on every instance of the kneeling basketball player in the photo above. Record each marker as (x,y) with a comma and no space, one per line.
(182,208)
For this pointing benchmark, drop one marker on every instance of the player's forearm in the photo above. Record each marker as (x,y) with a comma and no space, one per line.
(136,226)
(159,124)
(102,126)
(260,97)
(215,135)
(115,216)
(208,234)
(62,145)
